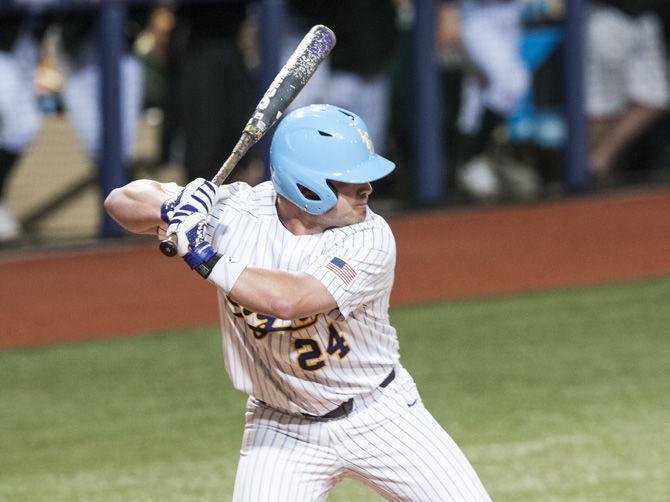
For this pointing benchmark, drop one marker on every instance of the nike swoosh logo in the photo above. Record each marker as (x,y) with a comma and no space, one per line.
(409,405)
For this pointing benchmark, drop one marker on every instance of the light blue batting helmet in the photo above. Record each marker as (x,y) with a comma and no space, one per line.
(318,143)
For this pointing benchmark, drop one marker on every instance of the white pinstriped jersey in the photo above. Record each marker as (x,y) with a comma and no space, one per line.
(312,365)
(309,365)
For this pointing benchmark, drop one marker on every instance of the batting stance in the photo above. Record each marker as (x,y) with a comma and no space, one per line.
(304,270)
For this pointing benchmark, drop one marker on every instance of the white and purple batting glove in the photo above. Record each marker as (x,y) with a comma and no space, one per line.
(189,228)
(167,208)
(188,222)
(191,243)
(201,194)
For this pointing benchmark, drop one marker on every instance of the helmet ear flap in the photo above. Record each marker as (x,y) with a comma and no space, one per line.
(332,187)
(307,193)
(311,195)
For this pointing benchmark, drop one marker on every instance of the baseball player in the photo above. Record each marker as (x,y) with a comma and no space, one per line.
(304,270)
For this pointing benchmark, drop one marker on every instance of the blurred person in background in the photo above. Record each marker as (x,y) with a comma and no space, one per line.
(650,156)
(210,90)
(356,75)
(151,46)
(449,49)
(20,119)
(495,80)
(627,88)
(450,63)
(79,61)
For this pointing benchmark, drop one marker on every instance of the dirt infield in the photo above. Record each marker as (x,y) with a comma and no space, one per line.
(446,254)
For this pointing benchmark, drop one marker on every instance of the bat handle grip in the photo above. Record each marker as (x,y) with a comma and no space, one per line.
(169,246)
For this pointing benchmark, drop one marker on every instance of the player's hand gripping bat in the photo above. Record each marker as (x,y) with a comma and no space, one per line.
(290,80)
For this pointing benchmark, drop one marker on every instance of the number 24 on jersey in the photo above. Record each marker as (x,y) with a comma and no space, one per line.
(311,357)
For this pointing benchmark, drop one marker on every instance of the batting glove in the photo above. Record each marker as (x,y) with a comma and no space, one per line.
(187,214)
(187,219)
(200,194)
(167,208)
(190,231)
(188,222)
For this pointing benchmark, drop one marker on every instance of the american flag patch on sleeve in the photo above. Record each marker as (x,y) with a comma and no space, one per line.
(342,269)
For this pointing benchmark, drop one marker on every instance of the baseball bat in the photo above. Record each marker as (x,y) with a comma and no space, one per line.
(290,80)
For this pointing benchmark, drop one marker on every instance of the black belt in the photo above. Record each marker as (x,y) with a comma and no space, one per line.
(345,408)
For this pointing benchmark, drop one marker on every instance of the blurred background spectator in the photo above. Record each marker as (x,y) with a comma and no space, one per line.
(356,74)
(495,81)
(210,89)
(79,62)
(627,87)
(20,35)
(152,46)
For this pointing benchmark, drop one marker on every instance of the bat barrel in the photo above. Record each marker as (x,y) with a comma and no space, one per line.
(291,79)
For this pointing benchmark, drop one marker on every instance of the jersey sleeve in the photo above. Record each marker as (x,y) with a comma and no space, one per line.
(358,269)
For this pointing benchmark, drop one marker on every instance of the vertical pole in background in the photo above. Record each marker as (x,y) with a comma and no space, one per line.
(270,33)
(111,166)
(575,174)
(428,158)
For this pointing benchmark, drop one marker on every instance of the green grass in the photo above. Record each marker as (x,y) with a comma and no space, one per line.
(557,396)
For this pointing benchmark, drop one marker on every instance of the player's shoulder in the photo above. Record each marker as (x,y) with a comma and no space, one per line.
(258,199)
(373,231)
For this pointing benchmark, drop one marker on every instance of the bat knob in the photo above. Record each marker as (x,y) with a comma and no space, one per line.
(168,247)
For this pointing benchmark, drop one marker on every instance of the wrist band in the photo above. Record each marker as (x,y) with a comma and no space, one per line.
(205,268)
(202,259)
(225,273)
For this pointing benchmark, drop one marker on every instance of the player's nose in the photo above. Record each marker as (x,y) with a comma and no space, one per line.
(364,190)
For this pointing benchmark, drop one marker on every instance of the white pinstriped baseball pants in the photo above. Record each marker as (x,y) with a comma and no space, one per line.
(491,34)
(389,441)
(81,94)
(20,118)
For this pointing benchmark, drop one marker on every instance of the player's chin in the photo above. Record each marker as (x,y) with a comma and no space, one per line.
(354,214)
(359,213)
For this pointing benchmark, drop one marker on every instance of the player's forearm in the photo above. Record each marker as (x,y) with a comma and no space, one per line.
(137,206)
(284,295)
